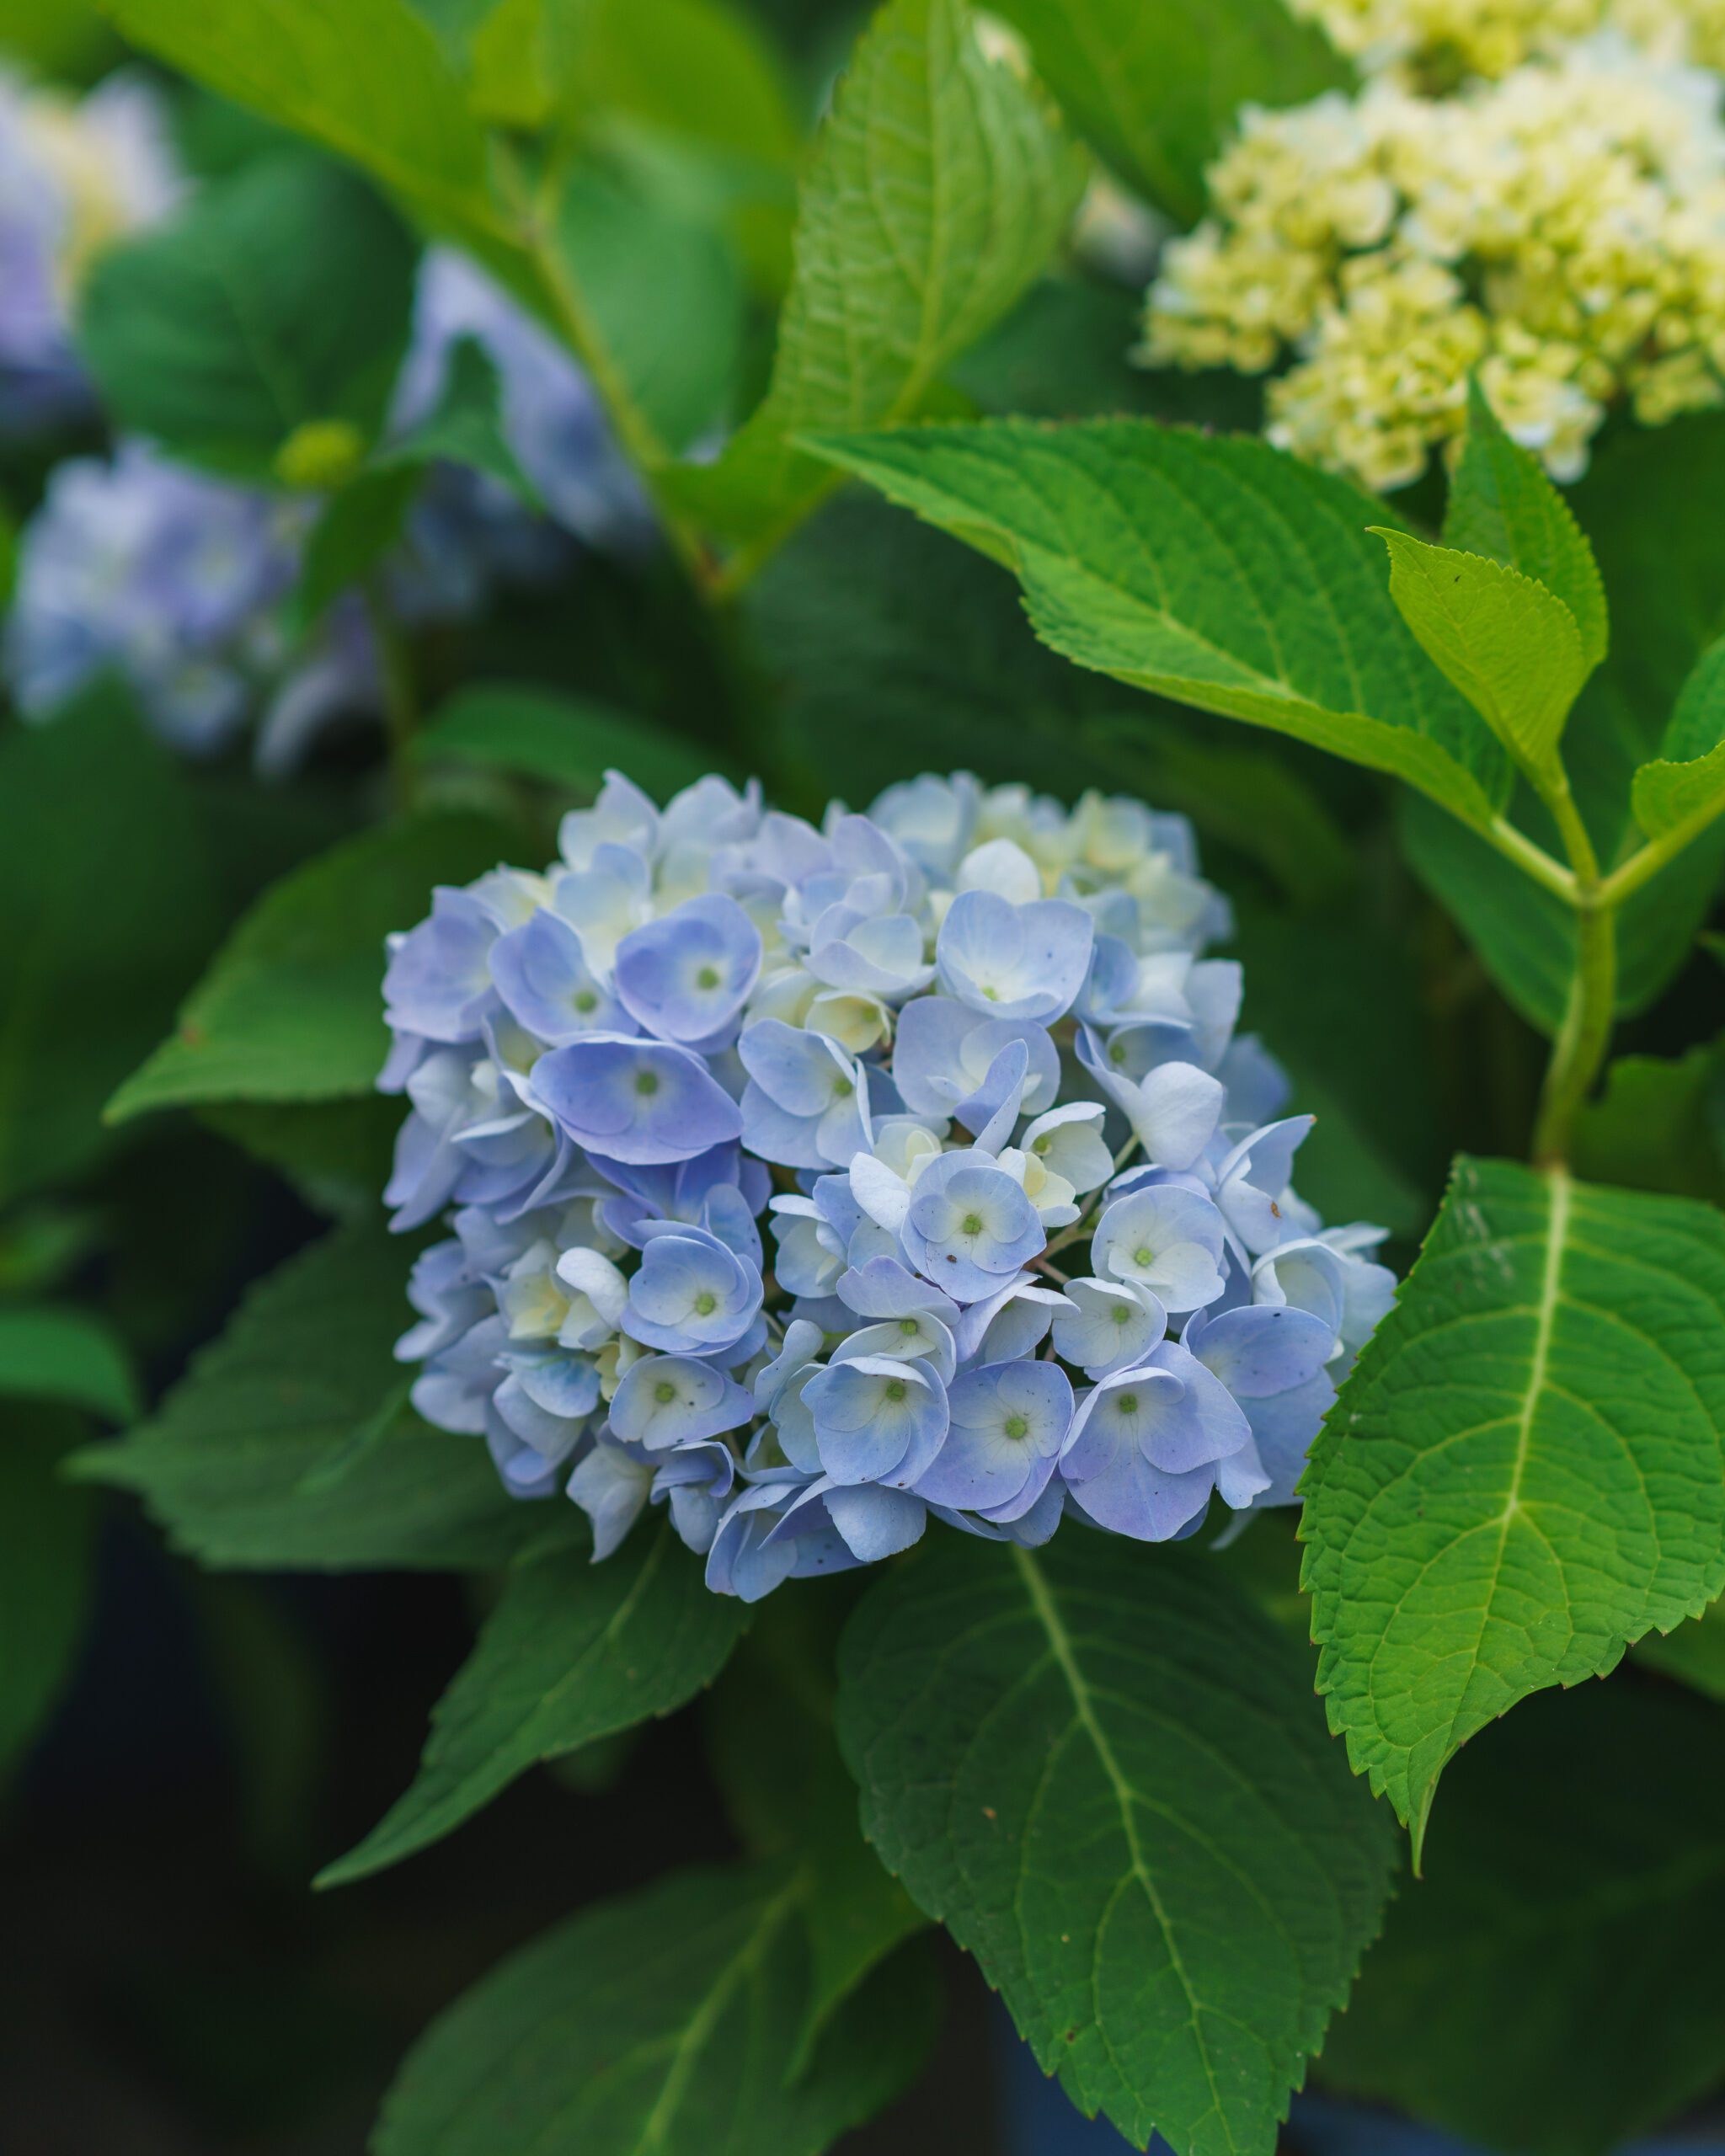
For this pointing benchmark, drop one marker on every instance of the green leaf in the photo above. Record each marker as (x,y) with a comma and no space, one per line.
(1575,1893)
(1683,789)
(336,1154)
(664,2021)
(289,1445)
(1511,647)
(365,77)
(278,299)
(65,1355)
(1525,1470)
(293,1008)
(565,741)
(352,536)
(1657,1125)
(1213,570)
(776,1758)
(940,185)
(1103,1770)
(1694,1653)
(1157,88)
(572,1651)
(1503,504)
(47,1537)
(109,907)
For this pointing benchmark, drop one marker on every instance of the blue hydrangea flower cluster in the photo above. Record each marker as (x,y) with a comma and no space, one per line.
(1031,1247)
(175,578)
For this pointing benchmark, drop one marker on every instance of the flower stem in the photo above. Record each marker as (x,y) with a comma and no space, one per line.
(1585,1033)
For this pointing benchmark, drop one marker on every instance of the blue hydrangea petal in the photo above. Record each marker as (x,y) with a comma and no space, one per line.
(635,1101)
(686,976)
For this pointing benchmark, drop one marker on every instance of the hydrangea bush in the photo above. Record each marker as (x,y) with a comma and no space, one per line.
(1229,1525)
(919,1047)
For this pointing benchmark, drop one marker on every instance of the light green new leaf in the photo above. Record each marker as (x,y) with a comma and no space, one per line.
(1683,789)
(663,2023)
(1212,569)
(290,1445)
(291,1008)
(1574,1895)
(279,298)
(47,1548)
(1157,88)
(940,185)
(367,79)
(1503,504)
(1511,647)
(563,740)
(1526,1469)
(65,1355)
(1102,1768)
(572,1651)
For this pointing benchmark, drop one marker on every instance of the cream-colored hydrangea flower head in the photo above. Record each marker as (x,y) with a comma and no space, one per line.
(1559,228)
(1438,41)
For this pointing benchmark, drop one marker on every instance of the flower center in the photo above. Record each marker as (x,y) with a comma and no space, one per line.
(708,977)
(1144,1255)
(971,1225)
(1016,1427)
(842,1089)
(1128,1403)
(909,1327)
(646,1082)
(665,1392)
(1120,1313)
(895,1388)
(586,1000)
(706,1303)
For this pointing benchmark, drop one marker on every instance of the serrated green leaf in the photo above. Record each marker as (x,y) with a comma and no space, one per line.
(940,185)
(1501,502)
(565,741)
(1574,1895)
(91,806)
(47,1535)
(336,1154)
(291,1008)
(279,298)
(289,1444)
(572,1651)
(1103,1769)
(1213,570)
(66,1355)
(1682,790)
(1511,647)
(1694,1653)
(1157,89)
(366,78)
(775,1758)
(1526,1469)
(663,2022)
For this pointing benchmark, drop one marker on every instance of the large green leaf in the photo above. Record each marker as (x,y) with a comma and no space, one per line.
(1512,647)
(1213,570)
(572,1651)
(108,909)
(1554,1986)
(293,1008)
(565,741)
(1157,88)
(290,1445)
(46,1551)
(665,2022)
(1103,1770)
(66,1355)
(776,1757)
(280,297)
(1526,1469)
(1694,1654)
(366,78)
(939,187)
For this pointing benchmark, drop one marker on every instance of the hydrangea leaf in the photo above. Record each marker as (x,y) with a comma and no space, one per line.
(939,187)
(1213,570)
(1512,647)
(1103,1769)
(292,1010)
(776,1758)
(573,1651)
(280,298)
(66,1355)
(46,1550)
(366,78)
(1156,90)
(1694,1653)
(1526,1469)
(565,741)
(1658,1125)
(289,1444)
(665,2022)
(1503,504)
(88,805)
(1574,1895)
(1683,789)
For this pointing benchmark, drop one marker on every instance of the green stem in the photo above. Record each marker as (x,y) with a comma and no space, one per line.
(1642,866)
(1584,1036)
(1532,860)
(401,703)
